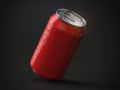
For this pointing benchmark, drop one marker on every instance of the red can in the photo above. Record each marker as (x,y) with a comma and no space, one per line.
(58,44)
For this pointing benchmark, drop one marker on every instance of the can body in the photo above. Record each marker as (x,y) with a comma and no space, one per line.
(55,48)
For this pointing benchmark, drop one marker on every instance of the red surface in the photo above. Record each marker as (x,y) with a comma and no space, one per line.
(56,48)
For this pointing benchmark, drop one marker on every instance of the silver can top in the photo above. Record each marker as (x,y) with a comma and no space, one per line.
(71,17)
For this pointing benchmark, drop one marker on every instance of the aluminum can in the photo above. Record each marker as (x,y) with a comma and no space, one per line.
(58,43)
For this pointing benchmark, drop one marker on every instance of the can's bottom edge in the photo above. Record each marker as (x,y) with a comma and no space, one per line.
(45,77)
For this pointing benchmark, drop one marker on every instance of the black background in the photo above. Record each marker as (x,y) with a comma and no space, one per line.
(96,62)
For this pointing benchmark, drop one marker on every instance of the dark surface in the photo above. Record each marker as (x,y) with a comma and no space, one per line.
(94,66)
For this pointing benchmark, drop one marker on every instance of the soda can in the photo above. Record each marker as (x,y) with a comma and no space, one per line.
(57,45)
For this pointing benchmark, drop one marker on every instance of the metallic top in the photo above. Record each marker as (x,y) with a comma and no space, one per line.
(71,17)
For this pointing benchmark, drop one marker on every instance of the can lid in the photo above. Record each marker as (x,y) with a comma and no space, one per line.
(71,17)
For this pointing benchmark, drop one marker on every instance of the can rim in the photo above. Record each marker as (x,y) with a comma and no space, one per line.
(83,21)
